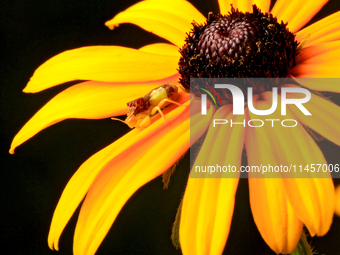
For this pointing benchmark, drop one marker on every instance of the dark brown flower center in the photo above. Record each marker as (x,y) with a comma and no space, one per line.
(242,45)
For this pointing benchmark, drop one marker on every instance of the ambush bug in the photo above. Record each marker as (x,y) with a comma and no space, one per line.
(142,108)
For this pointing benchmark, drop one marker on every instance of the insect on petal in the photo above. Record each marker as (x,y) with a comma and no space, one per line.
(126,173)
(87,100)
(127,146)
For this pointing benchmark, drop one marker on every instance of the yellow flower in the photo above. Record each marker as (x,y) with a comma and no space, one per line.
(116,75)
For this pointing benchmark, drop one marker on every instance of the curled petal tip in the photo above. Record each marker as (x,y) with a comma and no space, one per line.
(29,88)
(14,145)
(11,151)
(53,245)
(110,25)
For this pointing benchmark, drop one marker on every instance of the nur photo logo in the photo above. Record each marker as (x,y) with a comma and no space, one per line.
(238,102)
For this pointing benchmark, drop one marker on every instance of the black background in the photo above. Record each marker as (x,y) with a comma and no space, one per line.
(32,179)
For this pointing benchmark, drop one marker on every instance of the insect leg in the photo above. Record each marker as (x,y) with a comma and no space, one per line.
(166,100)
(161,103)
(157,108)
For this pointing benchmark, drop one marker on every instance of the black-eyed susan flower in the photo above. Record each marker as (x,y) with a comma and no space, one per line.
(116,75)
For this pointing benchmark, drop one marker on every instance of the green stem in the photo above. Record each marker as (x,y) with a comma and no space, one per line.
(303,247)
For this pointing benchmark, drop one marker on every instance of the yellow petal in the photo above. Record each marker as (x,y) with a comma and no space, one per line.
(325,116)
(161,49)
(199,123)
(243,5)
(298,12)
(208,203)
(311,194)
(274,217)
(314,202)
(88,100)
(125,174)
(329,84)
(325,30)
(319,54)
(168,19)
(337,203)
(319,61)
(102,63)
(80,182)
(324,70)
